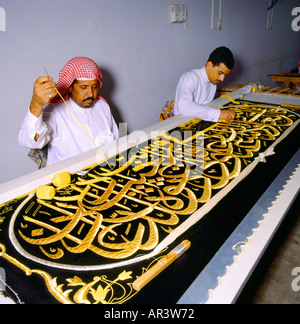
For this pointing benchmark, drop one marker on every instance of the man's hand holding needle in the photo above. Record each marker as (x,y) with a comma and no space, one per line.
(43,91)
(227,115)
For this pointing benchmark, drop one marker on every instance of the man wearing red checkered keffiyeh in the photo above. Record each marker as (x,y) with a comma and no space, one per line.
(49,121)
(78,68)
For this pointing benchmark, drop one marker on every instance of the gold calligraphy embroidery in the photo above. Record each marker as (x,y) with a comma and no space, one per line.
(117,213)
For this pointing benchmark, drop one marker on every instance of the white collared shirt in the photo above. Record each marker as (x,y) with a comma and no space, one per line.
(194,92)
(58,128)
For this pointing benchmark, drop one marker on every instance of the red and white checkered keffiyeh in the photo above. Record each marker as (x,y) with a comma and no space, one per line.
(77,67)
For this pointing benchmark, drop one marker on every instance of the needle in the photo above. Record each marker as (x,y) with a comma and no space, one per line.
(62,98)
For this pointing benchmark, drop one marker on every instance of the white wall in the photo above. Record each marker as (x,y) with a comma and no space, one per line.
(141,54)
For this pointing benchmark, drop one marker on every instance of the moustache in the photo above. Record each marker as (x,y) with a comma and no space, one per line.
(91,98)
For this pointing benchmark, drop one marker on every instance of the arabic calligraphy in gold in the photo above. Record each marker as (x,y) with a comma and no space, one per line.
(117,214)
(109,215)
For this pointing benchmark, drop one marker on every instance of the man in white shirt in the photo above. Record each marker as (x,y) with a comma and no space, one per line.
(61,128)
(197,88)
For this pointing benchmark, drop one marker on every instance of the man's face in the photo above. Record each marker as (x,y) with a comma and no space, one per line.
(216,73)
(84,93)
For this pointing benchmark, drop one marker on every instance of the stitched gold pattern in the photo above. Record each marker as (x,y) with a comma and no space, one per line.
(74,290)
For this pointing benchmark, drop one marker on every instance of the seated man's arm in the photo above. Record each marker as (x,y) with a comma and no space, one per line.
(34,132)
(187,106)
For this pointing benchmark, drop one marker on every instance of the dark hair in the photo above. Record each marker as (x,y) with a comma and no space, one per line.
(222,55)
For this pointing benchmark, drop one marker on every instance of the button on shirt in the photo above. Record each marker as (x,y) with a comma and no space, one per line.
(58,128)
(194,92)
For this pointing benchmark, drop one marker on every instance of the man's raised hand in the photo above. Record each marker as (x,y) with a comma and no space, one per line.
(43,91)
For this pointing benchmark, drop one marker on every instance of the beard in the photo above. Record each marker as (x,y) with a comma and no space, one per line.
(88,102)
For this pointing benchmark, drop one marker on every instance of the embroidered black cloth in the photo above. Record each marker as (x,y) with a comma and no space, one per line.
(99,234)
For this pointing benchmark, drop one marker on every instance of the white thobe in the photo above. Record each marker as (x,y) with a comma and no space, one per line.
(193,93)
(58,128)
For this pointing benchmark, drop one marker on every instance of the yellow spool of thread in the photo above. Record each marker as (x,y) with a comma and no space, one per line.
(62,179)
(45,192)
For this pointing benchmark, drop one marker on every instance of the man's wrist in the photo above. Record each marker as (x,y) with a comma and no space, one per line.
(35,108)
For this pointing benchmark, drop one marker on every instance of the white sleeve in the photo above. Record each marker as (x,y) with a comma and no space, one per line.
(114,129)
(31,126)
(185,104)
(111,121)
